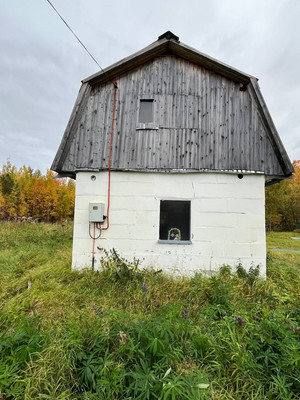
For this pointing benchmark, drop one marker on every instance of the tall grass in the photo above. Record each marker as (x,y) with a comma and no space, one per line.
(125,334)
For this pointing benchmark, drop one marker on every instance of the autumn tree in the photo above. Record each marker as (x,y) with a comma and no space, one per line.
(283,203)
(27,193)
(10,191)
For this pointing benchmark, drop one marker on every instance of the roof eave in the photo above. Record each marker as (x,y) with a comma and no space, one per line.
(274,137)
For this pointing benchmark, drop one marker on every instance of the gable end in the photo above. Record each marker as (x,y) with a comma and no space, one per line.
(202,121)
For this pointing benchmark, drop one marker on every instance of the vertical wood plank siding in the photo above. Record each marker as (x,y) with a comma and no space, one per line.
(203,121)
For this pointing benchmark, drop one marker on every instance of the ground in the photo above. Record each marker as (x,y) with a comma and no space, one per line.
(125,334)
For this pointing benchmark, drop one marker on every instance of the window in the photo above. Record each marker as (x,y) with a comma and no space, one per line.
(146,114)
(174,221)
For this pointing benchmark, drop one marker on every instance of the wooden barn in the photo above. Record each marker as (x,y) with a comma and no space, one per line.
(171,151)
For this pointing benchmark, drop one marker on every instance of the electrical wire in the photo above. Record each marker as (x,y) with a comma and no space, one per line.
(112,124)
(68,26)
(94,237)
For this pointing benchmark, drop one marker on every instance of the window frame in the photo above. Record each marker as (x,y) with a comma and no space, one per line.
(176,242)
(146,125)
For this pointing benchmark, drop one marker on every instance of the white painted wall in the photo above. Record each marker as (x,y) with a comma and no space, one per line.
(227,220)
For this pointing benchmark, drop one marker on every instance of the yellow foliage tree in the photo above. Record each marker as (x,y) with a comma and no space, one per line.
(283,203)
(27,193)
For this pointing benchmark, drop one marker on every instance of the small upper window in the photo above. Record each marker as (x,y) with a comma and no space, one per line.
(175,221)
(146,114)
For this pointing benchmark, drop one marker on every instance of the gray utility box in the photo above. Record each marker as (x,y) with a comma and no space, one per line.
(96,212)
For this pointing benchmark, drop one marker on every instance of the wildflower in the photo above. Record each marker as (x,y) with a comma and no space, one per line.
(144,287)
(121,338)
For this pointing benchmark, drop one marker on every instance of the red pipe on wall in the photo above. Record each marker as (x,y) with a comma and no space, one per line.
(110,152)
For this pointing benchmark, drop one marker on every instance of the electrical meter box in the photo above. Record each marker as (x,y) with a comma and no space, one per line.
(96,212)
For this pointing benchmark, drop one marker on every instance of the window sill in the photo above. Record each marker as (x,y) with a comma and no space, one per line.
(181,242)
(148,125)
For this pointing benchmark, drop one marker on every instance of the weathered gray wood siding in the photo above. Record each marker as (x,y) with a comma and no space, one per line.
(204,121)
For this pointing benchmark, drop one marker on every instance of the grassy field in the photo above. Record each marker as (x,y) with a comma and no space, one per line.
(83,335)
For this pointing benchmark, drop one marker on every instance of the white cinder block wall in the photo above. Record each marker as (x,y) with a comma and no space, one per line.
(227,220)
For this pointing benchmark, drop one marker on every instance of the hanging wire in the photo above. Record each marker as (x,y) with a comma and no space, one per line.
(68,26)
(112,128)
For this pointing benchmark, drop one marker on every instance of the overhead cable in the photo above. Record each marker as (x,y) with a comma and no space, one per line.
(68,26)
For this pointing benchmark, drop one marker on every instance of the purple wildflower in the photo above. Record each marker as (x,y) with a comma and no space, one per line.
(144,287)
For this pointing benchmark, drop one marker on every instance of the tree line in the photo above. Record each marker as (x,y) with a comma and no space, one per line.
(26,194)
(283,203)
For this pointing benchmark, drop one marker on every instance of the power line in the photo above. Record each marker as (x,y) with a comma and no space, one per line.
(68,26)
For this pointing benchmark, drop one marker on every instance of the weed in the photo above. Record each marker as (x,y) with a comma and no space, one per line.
(123,333)
(250,277)
(121,269)
(18,348)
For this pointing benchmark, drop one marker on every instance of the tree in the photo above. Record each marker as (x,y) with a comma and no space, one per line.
(283,203)
(27,193)
(11,198)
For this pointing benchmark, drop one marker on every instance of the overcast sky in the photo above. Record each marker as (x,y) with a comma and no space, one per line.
(42,64)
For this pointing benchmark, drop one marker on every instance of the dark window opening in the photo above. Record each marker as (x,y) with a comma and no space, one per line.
(174,221)
(146,111)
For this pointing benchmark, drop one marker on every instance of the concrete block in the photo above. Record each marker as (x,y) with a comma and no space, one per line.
(182,191)
(211,219)
(81,216)
(84,245)
(210,205)
(134,203)
(133,188)
(214,235)
(208,190)
(80,231)
(143,217)
(258,250)
(253,235)
(251,221)
(237,250)
(245,206)
(82,202)
(227,219)
(121,217)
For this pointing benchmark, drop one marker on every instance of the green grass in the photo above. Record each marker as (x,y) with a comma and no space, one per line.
(84,335)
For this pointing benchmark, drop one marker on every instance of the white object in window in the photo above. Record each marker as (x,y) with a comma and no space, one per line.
(175,221)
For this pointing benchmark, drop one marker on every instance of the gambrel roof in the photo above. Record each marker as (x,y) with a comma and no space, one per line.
(209,117)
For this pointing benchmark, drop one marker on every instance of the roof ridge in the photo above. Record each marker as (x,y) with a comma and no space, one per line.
(168,35)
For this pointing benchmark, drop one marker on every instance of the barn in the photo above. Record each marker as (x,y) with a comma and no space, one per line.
(171,151)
